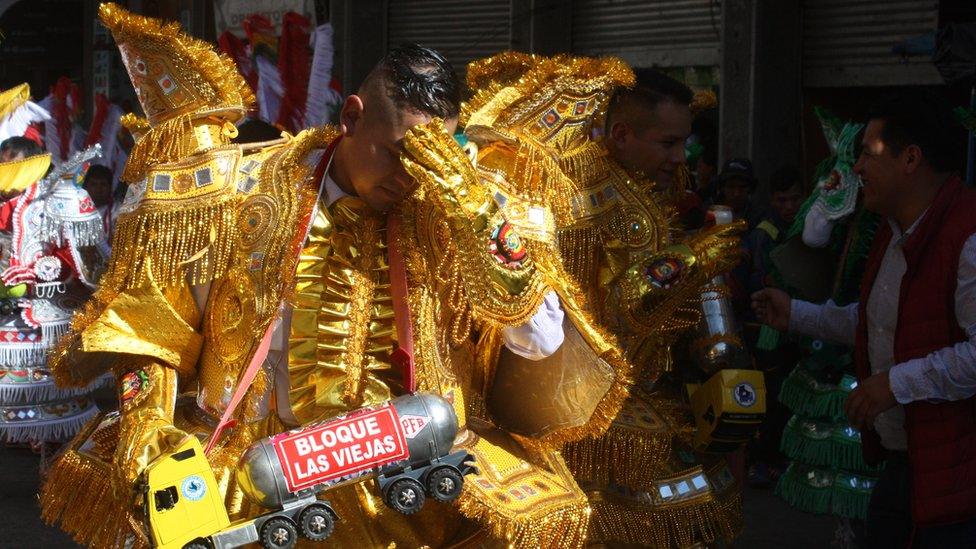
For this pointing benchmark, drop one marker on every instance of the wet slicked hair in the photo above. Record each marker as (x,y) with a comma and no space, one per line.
(419,79)
(636,105)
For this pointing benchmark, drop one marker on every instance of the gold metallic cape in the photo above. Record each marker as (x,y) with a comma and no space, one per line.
(136,324)
(338,349)
(615,220)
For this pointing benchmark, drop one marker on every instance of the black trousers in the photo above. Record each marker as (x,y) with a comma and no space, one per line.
(889,521)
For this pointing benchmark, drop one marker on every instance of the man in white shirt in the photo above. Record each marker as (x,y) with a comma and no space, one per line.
(914,329)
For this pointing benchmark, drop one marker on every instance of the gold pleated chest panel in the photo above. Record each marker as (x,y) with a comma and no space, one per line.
(342,321)
(276,200)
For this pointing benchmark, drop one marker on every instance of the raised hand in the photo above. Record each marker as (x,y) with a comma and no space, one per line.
(772,307)
(445,172)
(718,249)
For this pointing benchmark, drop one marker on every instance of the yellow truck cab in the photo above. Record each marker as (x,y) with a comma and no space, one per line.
(728,409)
(182,502)
(184,509)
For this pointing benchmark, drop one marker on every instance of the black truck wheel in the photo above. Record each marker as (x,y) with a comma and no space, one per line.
(406,496)
(278,533)
(444,484)
(316,522)
(197,544)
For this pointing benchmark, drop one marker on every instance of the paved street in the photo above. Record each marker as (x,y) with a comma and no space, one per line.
(769,523)
(21,526)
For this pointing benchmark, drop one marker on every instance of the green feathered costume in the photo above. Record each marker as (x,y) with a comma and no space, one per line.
(827,473)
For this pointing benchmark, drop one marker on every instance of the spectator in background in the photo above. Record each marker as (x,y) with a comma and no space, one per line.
(98,184)
(15,148)
(785,199)
(785,188)
(913,330)
(736,183)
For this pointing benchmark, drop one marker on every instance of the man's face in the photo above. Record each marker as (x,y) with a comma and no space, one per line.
(11,154)
(736,193)
(884,173)
(375,142)
(655,145)
(99,189)
(786,203)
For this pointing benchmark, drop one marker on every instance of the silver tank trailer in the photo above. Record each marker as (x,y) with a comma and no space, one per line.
(261,478)
(718,344)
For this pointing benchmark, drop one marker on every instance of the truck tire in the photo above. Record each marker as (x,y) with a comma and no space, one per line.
(316,522)
(405,496)
(278,533)
(444,484)
(197,544)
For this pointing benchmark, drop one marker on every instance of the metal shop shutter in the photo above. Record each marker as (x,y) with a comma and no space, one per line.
(461,30)
(848,42)
(664,33)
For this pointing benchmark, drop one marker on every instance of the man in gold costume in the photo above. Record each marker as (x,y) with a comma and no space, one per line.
(618,242)
(371,260)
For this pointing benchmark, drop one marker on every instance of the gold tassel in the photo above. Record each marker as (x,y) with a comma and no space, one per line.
(157,244)
(135,124)
(616,520)
(585,165)
(580,248)
(163,143)
(77,494)
(624,456)
(565,528)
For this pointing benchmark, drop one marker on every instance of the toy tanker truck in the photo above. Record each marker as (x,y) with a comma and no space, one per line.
(405,444)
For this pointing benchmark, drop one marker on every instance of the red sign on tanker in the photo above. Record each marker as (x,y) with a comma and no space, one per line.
(340,448)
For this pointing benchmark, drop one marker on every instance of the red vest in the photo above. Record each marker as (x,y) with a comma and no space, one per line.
(942,436)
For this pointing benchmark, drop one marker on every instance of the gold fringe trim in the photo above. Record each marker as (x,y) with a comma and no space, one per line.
(617,520)
(156,244)
(623,456)
(605,411)
(487,77)
(585,165)
(163,143)
(533,75)
(564,529)
(360,317)
(17,175)
(78,495)
(296,199)
(13,98)
(503,68)
(541,180)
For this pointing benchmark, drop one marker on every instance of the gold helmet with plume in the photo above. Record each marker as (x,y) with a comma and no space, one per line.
(553,101)
(191,95)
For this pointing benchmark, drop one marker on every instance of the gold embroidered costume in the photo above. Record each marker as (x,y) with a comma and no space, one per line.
(215,238)
(618,241)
